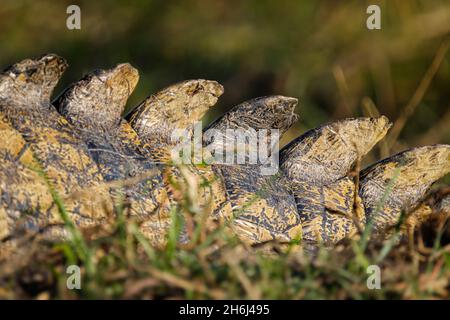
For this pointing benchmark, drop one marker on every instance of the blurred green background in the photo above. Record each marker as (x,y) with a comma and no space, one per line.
(318,51)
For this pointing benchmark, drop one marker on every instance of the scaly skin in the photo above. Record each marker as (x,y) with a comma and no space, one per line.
(25,90)
(263,207)
(178,106)
(314,196)
(317,164)
(14,144)
(94,105)
(26,203)
(396,184)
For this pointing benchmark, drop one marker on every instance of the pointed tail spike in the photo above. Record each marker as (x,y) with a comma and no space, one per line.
(179,106)
(31,82)
(271,112)
(98,100)
(263,113)
(263,208)
(397,184)
(95,105)
(327,153)
(317,165)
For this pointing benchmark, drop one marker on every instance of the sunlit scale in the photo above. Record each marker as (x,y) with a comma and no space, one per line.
(81,151)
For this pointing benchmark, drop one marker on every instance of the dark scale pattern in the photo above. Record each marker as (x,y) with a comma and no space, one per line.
(263,206)
(317,164)
(26,111)
(94,106)
(398,183)
(88,153)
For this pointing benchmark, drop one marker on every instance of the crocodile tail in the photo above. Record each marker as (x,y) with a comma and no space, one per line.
(178,106)
(97,101)
(327,153)
(95,105)
(262,206)
(269,112)
(31,82)
(399,183)
(317,165)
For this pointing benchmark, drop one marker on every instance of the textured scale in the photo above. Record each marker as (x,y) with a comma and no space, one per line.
(95,105)
(317,164)
(398,183)
(327,153)
(178,106)
(263,208)
(88,152)
(22,191)
(14,144)
(25,90)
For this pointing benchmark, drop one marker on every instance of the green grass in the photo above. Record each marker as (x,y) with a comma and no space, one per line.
(217,265)
(126,266)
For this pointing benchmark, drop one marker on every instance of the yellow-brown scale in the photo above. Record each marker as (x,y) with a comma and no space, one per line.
(26,200)
(179,106)
(263,208)
(27,203)
(25,90)
(14,144)
(318,164)
(398,184)
(94,105)
(155,190)
(314,197)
